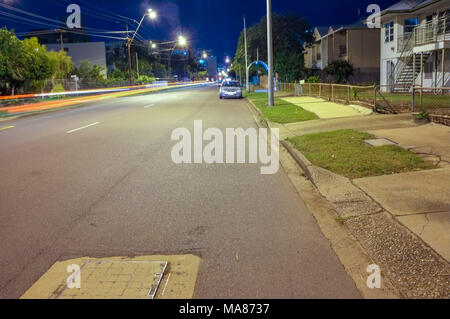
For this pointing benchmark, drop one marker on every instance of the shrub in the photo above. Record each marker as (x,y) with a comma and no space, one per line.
(313,79)
(340,70)
(58,88)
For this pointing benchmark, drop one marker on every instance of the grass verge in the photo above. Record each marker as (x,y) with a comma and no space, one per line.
(283,112)
(345,153)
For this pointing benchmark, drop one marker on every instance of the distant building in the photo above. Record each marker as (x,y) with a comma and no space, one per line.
(95,52)
(356,44)
(211,67)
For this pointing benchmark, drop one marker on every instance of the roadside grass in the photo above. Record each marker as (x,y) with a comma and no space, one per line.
(345,153)
(283,112)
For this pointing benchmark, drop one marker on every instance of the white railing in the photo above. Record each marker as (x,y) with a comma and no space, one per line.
(432,32)
(427,33)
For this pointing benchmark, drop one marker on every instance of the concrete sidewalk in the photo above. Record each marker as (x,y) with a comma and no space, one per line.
(327,110)
(401,220)
(419,200)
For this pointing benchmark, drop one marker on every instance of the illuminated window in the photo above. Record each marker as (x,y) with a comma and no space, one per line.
(389,36)
(409,26)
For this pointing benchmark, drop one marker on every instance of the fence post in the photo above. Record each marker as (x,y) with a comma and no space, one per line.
(412,102)
(332,92)
(320,90)
(348,94)
(375,98)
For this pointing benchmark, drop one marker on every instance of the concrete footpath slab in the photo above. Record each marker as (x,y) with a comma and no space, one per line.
(410,193)
(433,228)
(419,200)
(325,109)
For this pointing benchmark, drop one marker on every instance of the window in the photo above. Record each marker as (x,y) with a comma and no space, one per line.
(389,36)
(409,25)
(343,50)
(319,56)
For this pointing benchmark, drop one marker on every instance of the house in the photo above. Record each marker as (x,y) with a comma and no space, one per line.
(415,45)
(312,52)
(355,43)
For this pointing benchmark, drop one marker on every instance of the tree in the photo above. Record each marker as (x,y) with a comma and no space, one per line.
(39,67)
(340,70)
(290,31)
(12,61)
(89,74)
(22,62)
(62,65)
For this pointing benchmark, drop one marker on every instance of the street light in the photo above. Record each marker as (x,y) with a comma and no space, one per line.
(227,60)
(182,41)
(152,15)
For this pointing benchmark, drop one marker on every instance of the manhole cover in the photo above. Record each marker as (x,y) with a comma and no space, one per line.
(379,142)
(115,279)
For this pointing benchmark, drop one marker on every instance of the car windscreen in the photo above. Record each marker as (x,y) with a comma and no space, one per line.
(231,84)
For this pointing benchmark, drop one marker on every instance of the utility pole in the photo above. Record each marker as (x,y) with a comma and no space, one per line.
(61,39)
(137,65)
(129,57)
(247,87)
(270,52)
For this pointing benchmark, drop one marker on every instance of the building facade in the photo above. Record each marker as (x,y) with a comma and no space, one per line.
(415,45)
(356,44)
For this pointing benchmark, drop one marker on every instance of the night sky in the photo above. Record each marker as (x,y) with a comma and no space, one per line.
(208,24)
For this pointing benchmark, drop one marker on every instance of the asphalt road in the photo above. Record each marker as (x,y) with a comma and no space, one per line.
(109,188)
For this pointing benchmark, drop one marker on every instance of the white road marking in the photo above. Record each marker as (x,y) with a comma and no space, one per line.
(148,106)
(81,128)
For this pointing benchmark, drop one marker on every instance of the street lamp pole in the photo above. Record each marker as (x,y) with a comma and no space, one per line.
(246,58)
(152,14)
(130,71)
(270,52)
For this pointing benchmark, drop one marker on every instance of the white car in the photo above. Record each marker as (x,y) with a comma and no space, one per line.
(231,89)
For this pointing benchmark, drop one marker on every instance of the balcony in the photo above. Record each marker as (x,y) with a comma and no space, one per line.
(432,32)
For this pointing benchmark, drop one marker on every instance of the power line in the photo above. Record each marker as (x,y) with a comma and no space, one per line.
(107,11)
(88,12)
(44,18)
